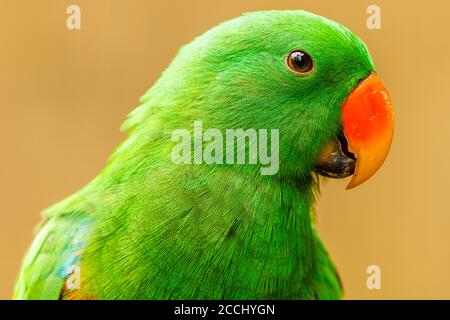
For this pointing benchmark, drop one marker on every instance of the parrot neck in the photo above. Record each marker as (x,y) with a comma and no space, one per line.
(238,231)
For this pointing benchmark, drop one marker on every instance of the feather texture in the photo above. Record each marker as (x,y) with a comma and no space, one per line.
(146,228)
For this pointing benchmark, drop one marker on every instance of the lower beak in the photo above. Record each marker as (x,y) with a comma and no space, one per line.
(368,127)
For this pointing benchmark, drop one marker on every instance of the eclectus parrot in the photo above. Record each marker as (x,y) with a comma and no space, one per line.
(149,228)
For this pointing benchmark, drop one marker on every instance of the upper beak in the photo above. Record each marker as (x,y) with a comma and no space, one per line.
(368,127)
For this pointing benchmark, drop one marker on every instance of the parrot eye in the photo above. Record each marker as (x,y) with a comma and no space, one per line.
(299,62)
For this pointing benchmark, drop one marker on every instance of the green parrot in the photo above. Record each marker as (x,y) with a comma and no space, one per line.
(152,226)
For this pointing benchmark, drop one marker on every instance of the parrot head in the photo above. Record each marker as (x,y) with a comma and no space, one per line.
(303,74)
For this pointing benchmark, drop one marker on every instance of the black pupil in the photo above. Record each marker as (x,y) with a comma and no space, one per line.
(301,62)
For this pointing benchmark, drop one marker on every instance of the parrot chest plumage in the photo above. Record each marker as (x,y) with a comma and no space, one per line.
(208,245)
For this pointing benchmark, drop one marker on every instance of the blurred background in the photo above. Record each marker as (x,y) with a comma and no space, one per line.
(64,95)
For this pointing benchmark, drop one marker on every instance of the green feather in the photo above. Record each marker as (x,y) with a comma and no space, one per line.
(157,230)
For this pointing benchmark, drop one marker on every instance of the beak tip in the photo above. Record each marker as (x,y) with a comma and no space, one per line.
(352,184)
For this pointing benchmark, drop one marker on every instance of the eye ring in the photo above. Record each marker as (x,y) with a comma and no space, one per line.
(300,62)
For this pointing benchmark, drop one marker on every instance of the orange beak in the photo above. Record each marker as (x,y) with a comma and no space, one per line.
(368,123)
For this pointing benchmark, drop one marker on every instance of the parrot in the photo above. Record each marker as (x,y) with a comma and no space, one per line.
(150,228)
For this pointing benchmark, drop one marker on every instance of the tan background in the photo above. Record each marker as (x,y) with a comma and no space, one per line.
(64,94)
